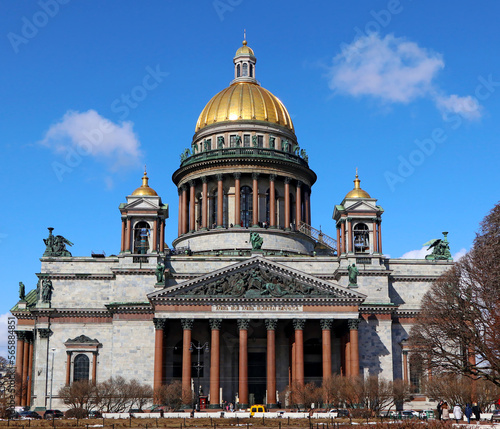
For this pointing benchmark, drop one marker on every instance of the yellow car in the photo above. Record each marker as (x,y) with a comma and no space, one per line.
(257,409)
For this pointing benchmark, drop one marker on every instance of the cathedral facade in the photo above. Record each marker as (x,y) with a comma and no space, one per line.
(250,299)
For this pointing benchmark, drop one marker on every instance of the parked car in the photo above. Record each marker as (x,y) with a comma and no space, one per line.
(339,413)
(257,409)
(26,415)
(426,414)
(495,417)
(53,414)
(94,414)
(409,414)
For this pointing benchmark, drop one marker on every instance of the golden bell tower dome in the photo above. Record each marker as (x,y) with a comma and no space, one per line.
(244,99)
(357,192)
(144,189)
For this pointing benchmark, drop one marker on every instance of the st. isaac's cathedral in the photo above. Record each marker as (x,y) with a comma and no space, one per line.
(272,300)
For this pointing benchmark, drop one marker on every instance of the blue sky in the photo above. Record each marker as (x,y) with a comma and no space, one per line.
(407,91)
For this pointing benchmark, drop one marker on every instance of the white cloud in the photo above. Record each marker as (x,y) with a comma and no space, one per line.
(417,254)
(90,134)
(4,333)
(459,254)
(468,106)
(394,70)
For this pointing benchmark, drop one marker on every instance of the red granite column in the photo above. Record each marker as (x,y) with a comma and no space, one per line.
(342,356)
(298,325)
(187,326)
(220,201)
(94,367)
(237,199)
(122,246)
(348,361)
(293,363)
(30,371)
(353,339)
(204,203)
(162,235)
(158,360)
(185,217)
(287,203)
(68,368)
(349,235)
(405,367)
(344,247)
(179,222)
(375,236)
(155,236)
(271,325)
(326,343)
(272,201)
(127,237)
(26,353)
(298,204)
(243,363)
(307,208)
(19,364)
(192,202)
(380,236)
(339,244)
(255,197)
(215,325)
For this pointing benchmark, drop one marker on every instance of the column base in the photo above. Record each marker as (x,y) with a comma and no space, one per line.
(186,407)
(243,406)
(214,407)
(255,226)
(271,406)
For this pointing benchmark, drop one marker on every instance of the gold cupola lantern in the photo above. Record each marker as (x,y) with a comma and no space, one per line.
(144,189)
(357,192)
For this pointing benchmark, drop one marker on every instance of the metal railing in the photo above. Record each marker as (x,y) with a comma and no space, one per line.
(318,236)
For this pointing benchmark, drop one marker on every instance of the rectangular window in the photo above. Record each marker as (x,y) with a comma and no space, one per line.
(209,144)
(246,140)
(260,141)
(232,141)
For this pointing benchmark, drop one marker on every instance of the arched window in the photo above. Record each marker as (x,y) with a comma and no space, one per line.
(246,205)
(238,71)
(81,366)
(251,70)
(141,238)
(361,238)
(245,69)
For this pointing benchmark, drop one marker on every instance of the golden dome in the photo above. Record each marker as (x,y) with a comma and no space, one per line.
(144,189)
(244,101)
(357,192)
(244,50)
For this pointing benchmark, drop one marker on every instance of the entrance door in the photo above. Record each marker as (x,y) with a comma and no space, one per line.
(257,377)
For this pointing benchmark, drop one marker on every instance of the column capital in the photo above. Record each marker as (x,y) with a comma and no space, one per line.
(243,324)
(219,177)
(326,324)
(271,324)
(288,180)
(353,324)
(187,323)
(21,335)
(299,183)
(215,324)
(272,177)
(179,190)
(183,187)
(255,176)
(192,183)
(44,332)
(299,324)
(159,323)
(237,175)
(204,179)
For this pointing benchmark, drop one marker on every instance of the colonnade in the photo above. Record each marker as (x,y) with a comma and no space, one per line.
(127,235)
(24,367)
(349,343)
(187,201)
(345,235)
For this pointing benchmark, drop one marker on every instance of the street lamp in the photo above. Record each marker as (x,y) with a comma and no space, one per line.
(199,365)
(52,377)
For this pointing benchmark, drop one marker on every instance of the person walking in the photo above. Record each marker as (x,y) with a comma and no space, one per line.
(476,410)
(457,413)
(440,408)
(468,413)
(445,412)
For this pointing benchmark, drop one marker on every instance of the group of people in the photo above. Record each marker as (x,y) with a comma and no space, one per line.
(444,412)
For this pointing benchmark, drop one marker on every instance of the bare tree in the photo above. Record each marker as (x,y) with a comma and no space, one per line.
(331,389)
(80,394)
(376,393)
(141,394)
(170,395)
(458,330)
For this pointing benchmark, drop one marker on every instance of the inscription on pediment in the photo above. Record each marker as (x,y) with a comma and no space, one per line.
(257,282)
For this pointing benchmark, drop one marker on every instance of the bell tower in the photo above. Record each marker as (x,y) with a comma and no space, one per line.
(358,219)
(143,221)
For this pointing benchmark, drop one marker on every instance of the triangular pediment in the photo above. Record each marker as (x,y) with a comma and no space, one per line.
(143,204)
(258,278)
(361,206)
